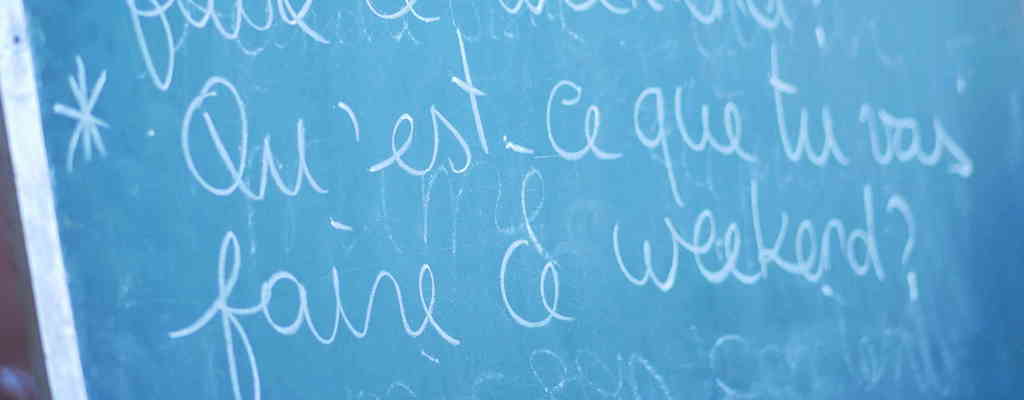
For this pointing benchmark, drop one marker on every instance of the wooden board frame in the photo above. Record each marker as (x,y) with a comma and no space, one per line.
(43,255)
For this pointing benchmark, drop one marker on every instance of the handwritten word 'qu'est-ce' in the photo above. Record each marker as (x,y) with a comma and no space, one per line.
(237,166)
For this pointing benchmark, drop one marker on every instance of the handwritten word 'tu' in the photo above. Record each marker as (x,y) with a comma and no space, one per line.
(162,78)
(237,169)
(829,148)
(550,269)
(229,264)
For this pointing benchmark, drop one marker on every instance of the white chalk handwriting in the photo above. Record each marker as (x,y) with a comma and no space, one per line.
(229,266)
(87,125)
(550,270)
(198,16)
(237,169)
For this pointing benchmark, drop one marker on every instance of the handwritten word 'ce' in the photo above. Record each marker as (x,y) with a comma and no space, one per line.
(228,269)
(550,267)
(591,125)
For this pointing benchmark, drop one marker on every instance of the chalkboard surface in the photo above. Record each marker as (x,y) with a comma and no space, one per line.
(564,199)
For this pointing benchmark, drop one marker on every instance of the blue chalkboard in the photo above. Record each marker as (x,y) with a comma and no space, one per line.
(564,199)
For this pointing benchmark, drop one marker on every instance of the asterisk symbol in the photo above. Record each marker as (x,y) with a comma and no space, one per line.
(88,125)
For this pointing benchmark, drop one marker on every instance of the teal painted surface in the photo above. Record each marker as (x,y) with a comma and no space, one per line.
(508,199)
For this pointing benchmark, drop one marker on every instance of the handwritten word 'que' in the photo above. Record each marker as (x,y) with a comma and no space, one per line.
(732,123)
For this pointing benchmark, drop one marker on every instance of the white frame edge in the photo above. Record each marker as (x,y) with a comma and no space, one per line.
(56,324)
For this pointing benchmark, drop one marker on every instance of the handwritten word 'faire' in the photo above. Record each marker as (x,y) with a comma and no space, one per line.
(229,265)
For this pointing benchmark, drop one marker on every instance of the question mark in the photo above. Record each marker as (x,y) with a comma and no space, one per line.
(900,204)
